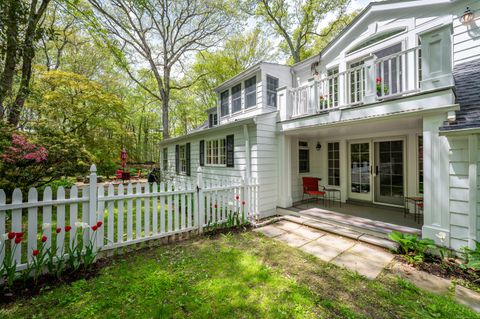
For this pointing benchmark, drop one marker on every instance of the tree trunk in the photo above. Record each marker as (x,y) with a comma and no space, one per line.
(6,79)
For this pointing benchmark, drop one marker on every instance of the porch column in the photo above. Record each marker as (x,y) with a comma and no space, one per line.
(284,171)
(472,190)
(436,179)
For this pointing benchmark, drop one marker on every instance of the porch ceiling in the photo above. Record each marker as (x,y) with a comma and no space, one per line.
(359,128)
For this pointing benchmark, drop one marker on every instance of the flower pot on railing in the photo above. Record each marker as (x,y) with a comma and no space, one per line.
(379,82)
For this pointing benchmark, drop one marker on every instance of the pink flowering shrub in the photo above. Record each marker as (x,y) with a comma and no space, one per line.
(23,150)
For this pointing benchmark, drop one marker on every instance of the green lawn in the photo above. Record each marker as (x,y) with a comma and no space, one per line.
(233,276)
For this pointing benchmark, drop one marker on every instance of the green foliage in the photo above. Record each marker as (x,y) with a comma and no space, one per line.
(472,257)
(411,246)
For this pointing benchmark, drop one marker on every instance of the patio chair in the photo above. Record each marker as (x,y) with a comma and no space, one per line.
(310,188)
(118,174)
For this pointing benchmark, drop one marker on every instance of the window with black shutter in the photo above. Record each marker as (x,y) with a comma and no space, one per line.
(177,158)
(224,105)
(230,151)
(202,153)
(187,151)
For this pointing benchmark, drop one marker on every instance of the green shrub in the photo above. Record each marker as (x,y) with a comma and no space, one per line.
(472,257)
(411,246)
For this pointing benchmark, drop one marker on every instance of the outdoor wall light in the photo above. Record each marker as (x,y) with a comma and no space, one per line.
(467,16)
(319,146)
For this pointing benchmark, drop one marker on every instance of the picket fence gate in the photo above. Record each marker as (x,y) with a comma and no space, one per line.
(130,214)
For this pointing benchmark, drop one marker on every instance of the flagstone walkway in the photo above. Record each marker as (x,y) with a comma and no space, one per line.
(367,260)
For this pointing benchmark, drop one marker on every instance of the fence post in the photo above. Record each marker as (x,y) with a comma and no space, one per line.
(199,202)
(92,200)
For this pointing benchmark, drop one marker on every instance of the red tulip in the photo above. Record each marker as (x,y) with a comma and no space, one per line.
(44,239)
(215,205)
(99,224)
(243,202)
(94,227)
(18,240)
(11,235)
(58,230)
(237,197)
(35,252)
(68,228)
(19,235)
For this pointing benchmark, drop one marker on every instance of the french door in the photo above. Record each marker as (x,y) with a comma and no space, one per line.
(377,170)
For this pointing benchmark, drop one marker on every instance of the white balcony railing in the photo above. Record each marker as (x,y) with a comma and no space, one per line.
(374,80)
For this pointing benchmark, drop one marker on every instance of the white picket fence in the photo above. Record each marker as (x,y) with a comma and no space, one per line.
(130,214)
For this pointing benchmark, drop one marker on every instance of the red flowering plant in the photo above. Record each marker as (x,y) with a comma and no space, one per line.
(378,82)
(9,265)
(90,252)
(39,259)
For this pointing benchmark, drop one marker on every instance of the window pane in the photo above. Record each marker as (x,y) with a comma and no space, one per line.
(333,164)
(251,92)
(272,86)
(236,98)
(224,103)
(304,161)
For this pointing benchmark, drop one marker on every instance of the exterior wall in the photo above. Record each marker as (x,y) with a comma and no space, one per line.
(466,38)
(262,149)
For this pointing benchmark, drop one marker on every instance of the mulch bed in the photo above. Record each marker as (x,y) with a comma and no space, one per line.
(448,269)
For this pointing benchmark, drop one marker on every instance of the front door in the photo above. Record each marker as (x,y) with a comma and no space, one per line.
(389,168)
(360,171)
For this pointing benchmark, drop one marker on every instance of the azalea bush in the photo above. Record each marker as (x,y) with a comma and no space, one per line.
(49,259)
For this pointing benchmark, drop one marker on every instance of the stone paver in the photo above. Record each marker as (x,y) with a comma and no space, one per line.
(286,225)
(308,233)
(468,297)
(369,268)
(369,252)
(421,279)
(270,231)
(322,251)
(292,239)
(336,241)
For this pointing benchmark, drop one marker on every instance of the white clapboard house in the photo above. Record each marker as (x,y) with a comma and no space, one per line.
(388,111)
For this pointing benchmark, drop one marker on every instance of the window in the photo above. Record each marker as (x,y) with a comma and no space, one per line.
(182,157)
(303,157)
(334,164)
(376,38)
(224,103)
(236,98)
(251,92)
(332,87)
(165,159)
(212,119)
(216,152)
(420,164)
(357,82)
(272,86)
(360,165)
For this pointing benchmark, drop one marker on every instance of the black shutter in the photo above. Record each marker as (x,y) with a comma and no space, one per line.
(177,160)
(202,153)
(230,151)
(187,149)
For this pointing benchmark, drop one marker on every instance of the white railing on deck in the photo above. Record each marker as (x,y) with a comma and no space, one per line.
(375,80)
(130,213)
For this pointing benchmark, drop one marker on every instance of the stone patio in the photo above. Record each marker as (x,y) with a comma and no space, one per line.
(367,260)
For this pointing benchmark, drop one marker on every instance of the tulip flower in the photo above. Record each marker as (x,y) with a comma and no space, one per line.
(99,224)
(44,239)
(35,252)
(68,228)
(18,240)
(11,235)
(94,227)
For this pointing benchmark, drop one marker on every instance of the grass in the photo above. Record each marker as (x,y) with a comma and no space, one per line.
(242,275)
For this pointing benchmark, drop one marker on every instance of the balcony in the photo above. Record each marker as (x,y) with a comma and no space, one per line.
(371,80)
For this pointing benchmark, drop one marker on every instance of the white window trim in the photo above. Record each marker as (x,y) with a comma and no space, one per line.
(241,98)
(180,166)
(218,152)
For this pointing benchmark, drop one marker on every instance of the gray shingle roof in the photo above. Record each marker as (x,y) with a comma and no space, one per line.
(467,90)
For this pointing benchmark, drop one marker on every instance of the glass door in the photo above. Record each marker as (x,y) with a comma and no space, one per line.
(360,171)
(389,172)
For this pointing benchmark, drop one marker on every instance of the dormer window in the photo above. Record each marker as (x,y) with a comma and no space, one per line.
(212,119)
(224,103)
(236,98)
(251,92)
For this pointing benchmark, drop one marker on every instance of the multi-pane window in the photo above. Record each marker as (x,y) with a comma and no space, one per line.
(216,152)
(357,82)
(224,103)
(420,164)
(360,164)
(182,158)
(165,159)
(272,86)
(212,119)
(332,88)
(334,164)
(303,157)
(236,98)
(251,92)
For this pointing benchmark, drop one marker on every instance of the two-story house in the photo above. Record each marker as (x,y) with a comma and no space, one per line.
(389,110)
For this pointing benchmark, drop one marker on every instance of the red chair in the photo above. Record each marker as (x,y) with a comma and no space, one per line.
(118,174)
(310,188)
